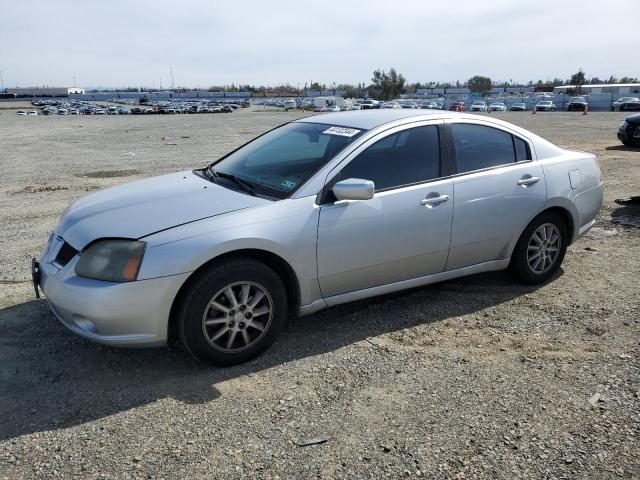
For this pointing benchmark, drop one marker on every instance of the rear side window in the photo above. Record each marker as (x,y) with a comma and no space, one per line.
(479,147)
(403,158)
(522,149)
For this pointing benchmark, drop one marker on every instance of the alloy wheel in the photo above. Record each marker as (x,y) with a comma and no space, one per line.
(237,316)
(544,248)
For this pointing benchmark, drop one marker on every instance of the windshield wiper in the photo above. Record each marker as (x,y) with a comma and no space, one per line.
(243,184)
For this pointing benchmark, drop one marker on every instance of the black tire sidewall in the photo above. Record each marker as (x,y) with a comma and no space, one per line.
(520,266)
(210,281)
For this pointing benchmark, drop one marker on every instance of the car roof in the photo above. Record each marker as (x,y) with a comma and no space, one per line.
(367,119)
(373,119)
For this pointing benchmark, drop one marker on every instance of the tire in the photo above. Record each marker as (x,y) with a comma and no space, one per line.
(523,260)
(250,281)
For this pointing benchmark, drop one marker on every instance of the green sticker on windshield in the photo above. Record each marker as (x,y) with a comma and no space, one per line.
(287,184)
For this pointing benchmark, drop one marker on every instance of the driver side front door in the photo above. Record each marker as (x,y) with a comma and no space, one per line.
(404,231)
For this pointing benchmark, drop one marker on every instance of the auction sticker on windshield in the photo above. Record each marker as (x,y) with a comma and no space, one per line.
(342,131)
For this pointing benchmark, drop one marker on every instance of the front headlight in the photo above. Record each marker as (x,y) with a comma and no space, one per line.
(111,260)
(623,124)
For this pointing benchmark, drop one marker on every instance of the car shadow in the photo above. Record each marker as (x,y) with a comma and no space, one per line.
(51,378)
(628,148)
(627,213)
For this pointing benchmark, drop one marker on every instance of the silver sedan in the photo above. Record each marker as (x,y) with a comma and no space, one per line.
(318,212)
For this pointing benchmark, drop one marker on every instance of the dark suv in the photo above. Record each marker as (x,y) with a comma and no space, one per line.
(629,130)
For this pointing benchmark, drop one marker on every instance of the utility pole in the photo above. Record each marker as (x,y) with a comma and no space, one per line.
(160,83)
(1,82)
(172,85)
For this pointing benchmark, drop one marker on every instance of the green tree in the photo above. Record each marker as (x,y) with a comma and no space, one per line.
(479,84)
(386,86)
(578,79)
(351,91)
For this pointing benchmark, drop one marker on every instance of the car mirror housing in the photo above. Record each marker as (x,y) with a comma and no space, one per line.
(354,189)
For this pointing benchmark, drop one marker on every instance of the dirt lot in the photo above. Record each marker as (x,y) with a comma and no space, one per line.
(473,378)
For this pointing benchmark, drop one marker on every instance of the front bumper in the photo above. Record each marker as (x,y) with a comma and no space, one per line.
(133,314)
(627,134)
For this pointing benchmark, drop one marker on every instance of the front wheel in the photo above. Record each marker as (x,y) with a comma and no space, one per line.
(232,312)
(540,249)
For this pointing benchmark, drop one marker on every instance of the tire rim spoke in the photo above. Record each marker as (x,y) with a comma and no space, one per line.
(244,297)
(261,311)
(257,326)
(231,296)
(216,321)
(219,307)
(256,299)
(232,337)
(220,333)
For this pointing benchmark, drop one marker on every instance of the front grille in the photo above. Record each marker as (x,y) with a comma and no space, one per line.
(65,254)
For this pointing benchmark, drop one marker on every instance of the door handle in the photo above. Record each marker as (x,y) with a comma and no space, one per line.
(526,181)
(436,200)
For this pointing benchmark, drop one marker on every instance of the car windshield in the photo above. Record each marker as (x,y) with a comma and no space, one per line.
(578,99)
(278,162)
(545,103)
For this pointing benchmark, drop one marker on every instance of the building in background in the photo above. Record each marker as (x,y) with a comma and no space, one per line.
(45,91)
(615,88)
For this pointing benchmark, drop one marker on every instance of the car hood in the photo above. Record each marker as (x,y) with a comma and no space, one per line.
(138,209)
(633,118)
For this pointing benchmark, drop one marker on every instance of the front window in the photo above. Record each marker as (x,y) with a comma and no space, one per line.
(277,163)
(403,158)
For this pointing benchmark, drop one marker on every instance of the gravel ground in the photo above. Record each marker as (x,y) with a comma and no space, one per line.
(472,378)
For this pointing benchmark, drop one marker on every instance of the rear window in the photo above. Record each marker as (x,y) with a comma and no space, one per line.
(479,147)
(522,149)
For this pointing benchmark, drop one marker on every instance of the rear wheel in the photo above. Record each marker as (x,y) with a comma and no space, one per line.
(232,312)
(540,249)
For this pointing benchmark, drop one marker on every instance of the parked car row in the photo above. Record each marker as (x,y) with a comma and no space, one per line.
(77,107)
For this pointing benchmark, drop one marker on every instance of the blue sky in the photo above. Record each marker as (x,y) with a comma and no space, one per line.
(134,43)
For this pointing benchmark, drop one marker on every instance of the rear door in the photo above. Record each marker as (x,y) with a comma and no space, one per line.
(498,189)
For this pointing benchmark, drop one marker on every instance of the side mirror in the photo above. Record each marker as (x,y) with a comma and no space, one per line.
(354,189)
